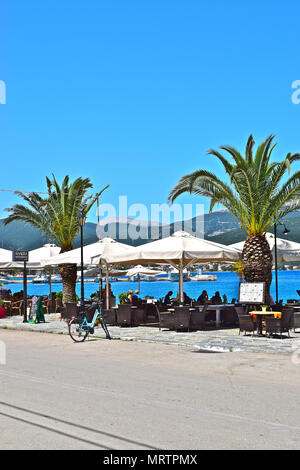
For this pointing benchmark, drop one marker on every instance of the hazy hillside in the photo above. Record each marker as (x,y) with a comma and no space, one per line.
(220,227)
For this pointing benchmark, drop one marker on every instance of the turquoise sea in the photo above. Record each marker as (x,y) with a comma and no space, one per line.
(227,283)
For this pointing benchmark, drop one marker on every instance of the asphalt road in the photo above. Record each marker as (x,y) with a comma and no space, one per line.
(56,394)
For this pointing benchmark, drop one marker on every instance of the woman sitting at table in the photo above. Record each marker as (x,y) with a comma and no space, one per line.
(186,298)
(216,298)
(167,299)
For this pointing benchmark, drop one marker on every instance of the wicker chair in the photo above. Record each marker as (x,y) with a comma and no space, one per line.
(109,316)
(16,308)
(58,305)
(182,318)
(229,316)
(197,319)
(124,315)
(138,316)
(296,318)
(280,325)
(240,311)
(166,320)
(247,324)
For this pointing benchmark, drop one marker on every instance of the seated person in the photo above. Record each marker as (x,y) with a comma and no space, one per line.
(130,296)
(216,298)
(203,298)
(167,299)
(186,298)
(135,300)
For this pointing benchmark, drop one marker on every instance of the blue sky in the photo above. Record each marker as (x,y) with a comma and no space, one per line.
(132,93)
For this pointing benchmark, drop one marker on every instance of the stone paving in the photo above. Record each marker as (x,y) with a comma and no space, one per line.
(210,340)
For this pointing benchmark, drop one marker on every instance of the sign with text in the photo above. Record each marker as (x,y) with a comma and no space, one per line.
(252,293)
(20,255)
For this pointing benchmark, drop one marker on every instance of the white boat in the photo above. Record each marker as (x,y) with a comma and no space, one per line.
(40,279)
(56,278)
(173,275)
(203,277)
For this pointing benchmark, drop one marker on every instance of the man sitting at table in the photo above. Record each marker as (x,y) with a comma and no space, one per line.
(216,299)
(203,298)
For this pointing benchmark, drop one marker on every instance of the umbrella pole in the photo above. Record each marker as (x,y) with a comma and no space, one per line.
(107,288)
(139,282)
(181,281)
(50,285)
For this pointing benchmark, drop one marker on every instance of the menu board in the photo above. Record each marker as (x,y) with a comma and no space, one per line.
(252,293)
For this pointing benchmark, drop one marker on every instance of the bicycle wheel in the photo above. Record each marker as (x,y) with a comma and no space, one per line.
(77,330)
(103,324)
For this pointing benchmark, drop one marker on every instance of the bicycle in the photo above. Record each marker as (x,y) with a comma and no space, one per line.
(80,328)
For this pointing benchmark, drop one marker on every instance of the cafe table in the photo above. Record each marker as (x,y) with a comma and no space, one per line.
(218,308)
(259,315)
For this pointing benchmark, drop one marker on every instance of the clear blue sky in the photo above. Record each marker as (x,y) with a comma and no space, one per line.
(132,93)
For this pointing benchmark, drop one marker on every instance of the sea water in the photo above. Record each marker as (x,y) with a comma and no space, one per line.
(227,283)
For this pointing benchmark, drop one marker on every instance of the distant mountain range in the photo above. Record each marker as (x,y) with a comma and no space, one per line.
(219,226)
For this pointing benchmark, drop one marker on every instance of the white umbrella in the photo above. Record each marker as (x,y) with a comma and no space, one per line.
(140,270)
(5,258)
(180,250)
(91,256)
(286,249)
(36,256)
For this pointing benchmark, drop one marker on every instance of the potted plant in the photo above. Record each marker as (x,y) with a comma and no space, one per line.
(2,308)
(123,297)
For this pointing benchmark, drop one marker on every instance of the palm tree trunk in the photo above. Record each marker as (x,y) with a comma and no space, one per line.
(257,260)
(69,276)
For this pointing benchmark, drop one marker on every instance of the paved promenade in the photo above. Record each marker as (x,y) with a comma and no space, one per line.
(215,340)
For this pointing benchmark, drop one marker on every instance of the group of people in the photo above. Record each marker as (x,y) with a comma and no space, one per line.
(202,299)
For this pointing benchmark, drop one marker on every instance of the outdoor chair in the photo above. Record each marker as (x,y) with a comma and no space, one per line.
(17,307)
(109,316)
(138,316)
(124,315)
(280,325)
(296,319)
(58,305)
(182,318)
(197,318)
(166,320)
(247,324)
(240,311)
(229,316)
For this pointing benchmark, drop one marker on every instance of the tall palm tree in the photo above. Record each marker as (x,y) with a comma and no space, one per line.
(259,193)
(56,215)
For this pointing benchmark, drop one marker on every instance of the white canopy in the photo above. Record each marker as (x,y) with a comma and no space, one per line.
(181,247)
(35,257)
(5,258)
(286,249)
(180,250)
(142,271)
(90,252)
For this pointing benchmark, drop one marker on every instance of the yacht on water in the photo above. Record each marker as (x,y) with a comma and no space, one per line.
(56,278)
(173,275)
(203,277)
(40,279)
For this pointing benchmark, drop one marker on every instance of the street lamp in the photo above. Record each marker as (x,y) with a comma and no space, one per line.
(285,232)
(81,220)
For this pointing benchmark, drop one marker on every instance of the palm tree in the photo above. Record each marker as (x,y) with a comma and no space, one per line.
(56,215)
(256,196)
